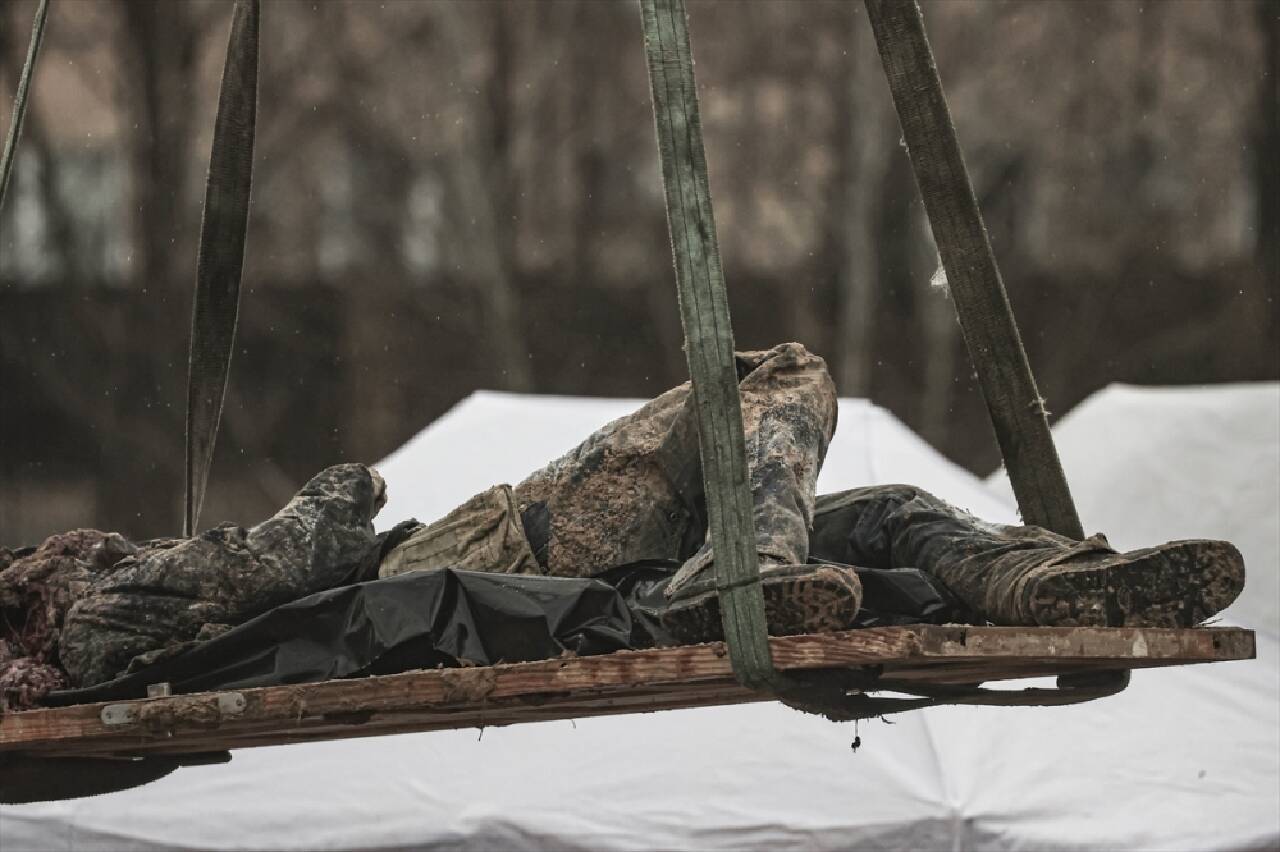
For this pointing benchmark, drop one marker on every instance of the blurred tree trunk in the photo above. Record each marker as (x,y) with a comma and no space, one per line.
(865,145)
(68,261)
(507,318)
(480,189)
(501,107)
(590,96)
(162,38)
(1142,143)
(35,144)
(1267,157)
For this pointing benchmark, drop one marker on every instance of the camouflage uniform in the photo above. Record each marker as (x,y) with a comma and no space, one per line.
(630,492)
(633,490)
(177,592)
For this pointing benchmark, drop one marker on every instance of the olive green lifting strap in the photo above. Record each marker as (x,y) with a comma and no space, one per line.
(986,319)
(222,237)
(1016,408)
(20,99)
(704,312)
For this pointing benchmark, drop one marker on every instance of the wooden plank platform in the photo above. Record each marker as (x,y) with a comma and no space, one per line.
(904,658)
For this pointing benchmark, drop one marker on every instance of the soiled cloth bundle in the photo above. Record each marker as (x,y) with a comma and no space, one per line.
(37,587)
(160,601)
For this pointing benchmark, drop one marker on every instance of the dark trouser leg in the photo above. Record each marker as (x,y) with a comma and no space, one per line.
(1026,575)
(893,526)
(900,526)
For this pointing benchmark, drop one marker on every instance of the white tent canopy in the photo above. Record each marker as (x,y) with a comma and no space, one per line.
(494,437)
(1187,758)
(1152,464)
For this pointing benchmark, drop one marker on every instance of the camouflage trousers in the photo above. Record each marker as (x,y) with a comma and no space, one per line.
(633,490)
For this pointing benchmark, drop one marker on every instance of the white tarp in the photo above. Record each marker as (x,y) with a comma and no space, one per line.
(1187,757)
(1184,759)
(1153,464)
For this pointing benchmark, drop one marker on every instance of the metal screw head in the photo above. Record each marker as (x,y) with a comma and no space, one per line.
(231,702)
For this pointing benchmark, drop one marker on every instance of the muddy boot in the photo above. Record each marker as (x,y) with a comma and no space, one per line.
(1178,584)
(797,599)
(788,414)
(1026,576)
(788,417)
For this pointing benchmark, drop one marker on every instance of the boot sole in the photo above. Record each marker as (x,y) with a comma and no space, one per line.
(797,599)
(1178,584)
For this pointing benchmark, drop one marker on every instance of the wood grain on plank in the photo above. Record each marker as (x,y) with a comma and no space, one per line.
(624,682)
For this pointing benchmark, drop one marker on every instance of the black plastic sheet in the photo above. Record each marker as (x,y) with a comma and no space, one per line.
(428,619)
(423,619)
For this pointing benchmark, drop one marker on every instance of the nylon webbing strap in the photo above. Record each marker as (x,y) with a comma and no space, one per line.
(20,99)
(986,319)
(704,312)
(222,237)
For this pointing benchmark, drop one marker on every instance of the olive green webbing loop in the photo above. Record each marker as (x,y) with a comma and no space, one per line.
(1017,410)
(216,305)
(704,313)
(20,99)
(991,334)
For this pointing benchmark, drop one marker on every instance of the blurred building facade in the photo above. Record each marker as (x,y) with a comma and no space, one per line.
(457,195)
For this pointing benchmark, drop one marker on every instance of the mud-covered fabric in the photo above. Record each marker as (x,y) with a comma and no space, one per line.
(414,620)
(25,681)
(196,588)
(425,619)
(37,587)
(625,494)
(633,490)
(984,565)
(788,415)
(483,534)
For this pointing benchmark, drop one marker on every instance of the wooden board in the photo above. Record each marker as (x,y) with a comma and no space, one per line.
(575,687)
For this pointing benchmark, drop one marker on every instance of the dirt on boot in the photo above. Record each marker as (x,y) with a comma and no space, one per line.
(1178,584)
(797,599)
